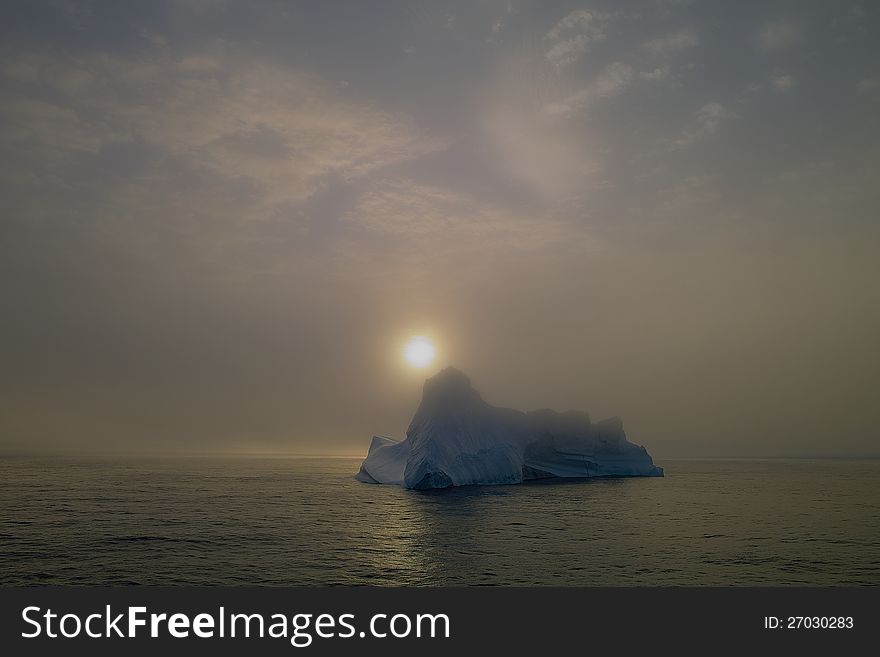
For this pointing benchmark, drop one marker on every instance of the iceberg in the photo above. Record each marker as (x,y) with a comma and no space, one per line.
(457,439)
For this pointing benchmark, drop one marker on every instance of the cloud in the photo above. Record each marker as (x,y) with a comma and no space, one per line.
(783,83)
(659,73)
(710,115)
(574,35)
(706,123)
(671,43)
(568,50)
(495,32)
(778,35)
(613,80)
(239,120)
(434,222)
(579,20)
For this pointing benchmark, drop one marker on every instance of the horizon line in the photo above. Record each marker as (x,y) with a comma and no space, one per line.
(85,453)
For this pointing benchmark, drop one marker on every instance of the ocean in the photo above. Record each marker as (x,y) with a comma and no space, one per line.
(306,521)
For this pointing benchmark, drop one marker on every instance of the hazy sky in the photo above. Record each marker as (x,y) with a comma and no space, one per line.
(221,221)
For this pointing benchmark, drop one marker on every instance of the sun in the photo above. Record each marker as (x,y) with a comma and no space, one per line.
(420,351)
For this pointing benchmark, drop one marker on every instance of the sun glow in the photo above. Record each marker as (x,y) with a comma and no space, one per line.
(420,351)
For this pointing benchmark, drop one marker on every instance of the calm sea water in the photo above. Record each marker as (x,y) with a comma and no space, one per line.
(306,521)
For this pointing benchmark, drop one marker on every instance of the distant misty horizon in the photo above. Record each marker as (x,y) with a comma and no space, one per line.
(360,450)
(223,223)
